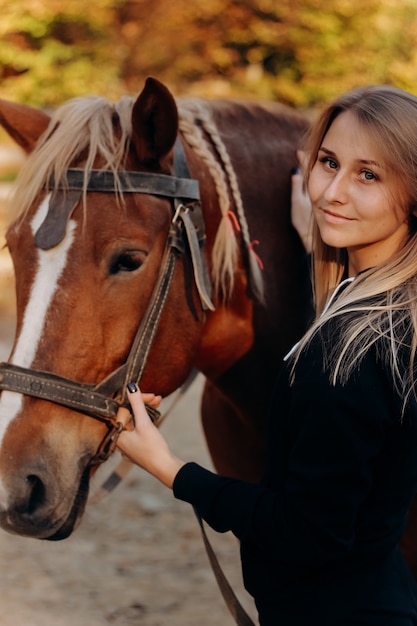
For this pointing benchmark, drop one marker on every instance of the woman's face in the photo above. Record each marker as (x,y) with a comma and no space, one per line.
(357,202)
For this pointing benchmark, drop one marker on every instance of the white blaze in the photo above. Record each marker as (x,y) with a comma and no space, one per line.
(50,266)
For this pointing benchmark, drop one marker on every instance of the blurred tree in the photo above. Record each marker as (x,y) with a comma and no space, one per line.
(302,52)
(51,50)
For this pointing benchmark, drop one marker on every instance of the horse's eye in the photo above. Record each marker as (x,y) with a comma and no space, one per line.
(128,261)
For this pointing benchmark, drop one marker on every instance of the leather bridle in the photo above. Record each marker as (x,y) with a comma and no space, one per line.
(186,232)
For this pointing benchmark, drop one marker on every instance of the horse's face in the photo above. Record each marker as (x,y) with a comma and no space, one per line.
(79,304)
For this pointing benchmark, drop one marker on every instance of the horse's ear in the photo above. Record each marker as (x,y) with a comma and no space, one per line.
(154,121)
(23,123)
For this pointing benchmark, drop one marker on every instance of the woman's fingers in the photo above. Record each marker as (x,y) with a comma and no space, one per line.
(301,213)
(137,402)
(302,157)
(144,444)
(124,416)
(151,399)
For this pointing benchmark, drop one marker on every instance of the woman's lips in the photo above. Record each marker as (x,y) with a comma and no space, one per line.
(335,218)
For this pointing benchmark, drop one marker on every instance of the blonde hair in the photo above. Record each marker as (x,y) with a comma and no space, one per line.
(381,302)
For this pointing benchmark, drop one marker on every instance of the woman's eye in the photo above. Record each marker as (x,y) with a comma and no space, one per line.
(126,262)
(368,175)
(329,163)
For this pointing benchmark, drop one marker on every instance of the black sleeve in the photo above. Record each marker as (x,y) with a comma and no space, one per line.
(336,432)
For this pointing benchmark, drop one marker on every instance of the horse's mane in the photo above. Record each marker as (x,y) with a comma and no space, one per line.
(85,125)
(81,125)
(196,123)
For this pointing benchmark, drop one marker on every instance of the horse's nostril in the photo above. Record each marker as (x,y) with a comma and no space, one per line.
(36,493)
(35,506)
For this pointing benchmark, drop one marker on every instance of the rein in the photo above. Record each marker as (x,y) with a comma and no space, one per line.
(102,401)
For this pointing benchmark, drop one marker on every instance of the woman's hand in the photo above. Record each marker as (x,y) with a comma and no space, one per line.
(143,444)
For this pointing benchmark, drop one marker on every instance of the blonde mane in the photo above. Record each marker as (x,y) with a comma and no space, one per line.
(85,125)
(196,124)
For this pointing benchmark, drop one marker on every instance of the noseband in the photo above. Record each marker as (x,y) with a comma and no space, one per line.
(187,231)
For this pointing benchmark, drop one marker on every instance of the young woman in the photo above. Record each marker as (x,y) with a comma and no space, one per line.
(319,536)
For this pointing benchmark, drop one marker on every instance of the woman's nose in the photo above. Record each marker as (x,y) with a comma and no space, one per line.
(337,189)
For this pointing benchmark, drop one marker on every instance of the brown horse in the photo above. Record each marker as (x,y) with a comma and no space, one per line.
(87,257)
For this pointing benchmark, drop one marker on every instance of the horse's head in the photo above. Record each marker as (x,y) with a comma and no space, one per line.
(87,254)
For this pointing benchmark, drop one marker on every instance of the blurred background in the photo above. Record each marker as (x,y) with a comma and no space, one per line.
(301,52)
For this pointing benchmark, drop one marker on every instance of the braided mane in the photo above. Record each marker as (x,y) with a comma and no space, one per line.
(196,123)
(86,125)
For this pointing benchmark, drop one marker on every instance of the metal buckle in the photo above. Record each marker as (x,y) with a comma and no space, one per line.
(108,445)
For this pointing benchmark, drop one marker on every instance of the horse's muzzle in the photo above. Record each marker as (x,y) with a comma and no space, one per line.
(35,506)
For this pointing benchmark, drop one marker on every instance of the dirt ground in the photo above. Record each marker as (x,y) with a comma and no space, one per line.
(136,560)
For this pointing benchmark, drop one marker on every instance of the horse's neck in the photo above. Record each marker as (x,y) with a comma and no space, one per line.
(228,332)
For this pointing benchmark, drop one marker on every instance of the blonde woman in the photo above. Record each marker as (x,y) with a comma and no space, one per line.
(319,536)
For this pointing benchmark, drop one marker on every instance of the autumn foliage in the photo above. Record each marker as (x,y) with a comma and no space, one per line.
(301,52)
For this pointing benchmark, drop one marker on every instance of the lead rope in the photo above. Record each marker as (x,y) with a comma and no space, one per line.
(232,602)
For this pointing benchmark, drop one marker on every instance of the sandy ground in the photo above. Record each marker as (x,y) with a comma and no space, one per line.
(136,560)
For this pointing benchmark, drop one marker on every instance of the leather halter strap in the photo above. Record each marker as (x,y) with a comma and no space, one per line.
(67,194)
(132,182)
(103,400)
